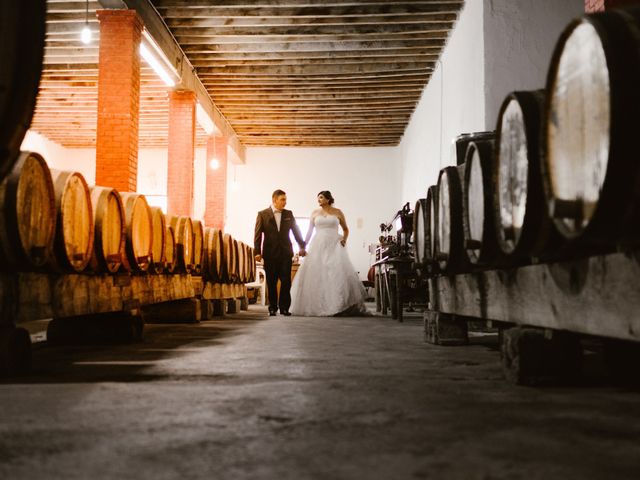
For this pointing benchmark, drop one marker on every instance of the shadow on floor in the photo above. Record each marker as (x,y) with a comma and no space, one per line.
(128,362)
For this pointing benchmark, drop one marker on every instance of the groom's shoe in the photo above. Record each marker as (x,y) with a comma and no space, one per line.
(272,313)
(286,313)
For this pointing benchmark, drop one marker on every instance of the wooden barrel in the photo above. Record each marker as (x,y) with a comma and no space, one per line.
(477,206)
(449,241)
(109,230)
(523,226)
(158,250)
(27,214)
(183,230)
(430,210)
(170,254)
(591,171)
(461,143)
(22,24)
(214,260)
(139,232)
(198,246)
(73,242)
(230,258)
(420,232)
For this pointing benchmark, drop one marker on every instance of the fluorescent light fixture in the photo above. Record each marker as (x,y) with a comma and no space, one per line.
(157,67)
(154,56)
(204,120)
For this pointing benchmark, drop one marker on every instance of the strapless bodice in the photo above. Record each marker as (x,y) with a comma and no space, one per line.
(329,222)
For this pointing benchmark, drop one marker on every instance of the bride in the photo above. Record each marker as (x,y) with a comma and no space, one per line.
(327,283)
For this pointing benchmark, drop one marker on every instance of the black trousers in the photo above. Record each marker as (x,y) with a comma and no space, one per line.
(278,268)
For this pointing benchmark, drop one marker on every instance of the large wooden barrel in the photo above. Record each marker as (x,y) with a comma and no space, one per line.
(214,260)
(591,169)
(139,232)
(170,254)
(73,242)
(461,143)
(477,206)
(27,214)
(230,258)
(449,244)
(183,230)
(431,209)
(22,24)
(198,246)
(109,230)
(158,250)
(420,232)
(524,229)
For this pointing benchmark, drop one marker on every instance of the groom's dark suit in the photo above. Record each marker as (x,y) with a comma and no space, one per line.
(275,247)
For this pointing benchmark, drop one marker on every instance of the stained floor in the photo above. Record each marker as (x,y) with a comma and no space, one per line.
(258,397)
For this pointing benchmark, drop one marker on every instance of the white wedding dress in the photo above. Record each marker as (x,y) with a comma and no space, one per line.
(327,283)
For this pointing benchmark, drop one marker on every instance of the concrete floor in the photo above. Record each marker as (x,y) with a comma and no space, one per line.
(293,398)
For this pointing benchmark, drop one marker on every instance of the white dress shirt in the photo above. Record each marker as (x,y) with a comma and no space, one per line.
(277,214)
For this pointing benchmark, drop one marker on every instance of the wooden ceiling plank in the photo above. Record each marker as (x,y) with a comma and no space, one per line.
(223,11)
(198,59)
(280,21)
(310,46)
(195,4)
(306,30)
(339,69)
(341,37)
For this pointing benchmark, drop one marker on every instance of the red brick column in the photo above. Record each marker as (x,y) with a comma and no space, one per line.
(591,6)
(182,137)
(216,194)
(118,99)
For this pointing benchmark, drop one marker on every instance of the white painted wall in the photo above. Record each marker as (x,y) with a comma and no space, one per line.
(364,181)
(496,47)
(152,178)
(519,38)
(452,103)
(81,160)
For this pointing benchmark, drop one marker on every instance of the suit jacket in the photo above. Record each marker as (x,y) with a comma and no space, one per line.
(276,243)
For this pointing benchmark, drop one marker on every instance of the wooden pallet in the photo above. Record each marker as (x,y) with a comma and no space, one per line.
(33,296)
(599,295)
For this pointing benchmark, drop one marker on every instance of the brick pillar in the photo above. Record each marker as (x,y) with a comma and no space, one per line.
(118,99)
(591,6)
(216,194)
(182,137)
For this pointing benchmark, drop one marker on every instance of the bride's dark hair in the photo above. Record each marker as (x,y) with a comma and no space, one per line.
(327,194)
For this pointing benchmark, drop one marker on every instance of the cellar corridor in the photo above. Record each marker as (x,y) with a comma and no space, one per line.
(253,396)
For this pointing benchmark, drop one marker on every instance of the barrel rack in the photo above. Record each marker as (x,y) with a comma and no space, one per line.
(27,296)
(597,296)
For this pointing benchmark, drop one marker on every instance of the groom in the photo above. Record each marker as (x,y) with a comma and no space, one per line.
(274,224)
